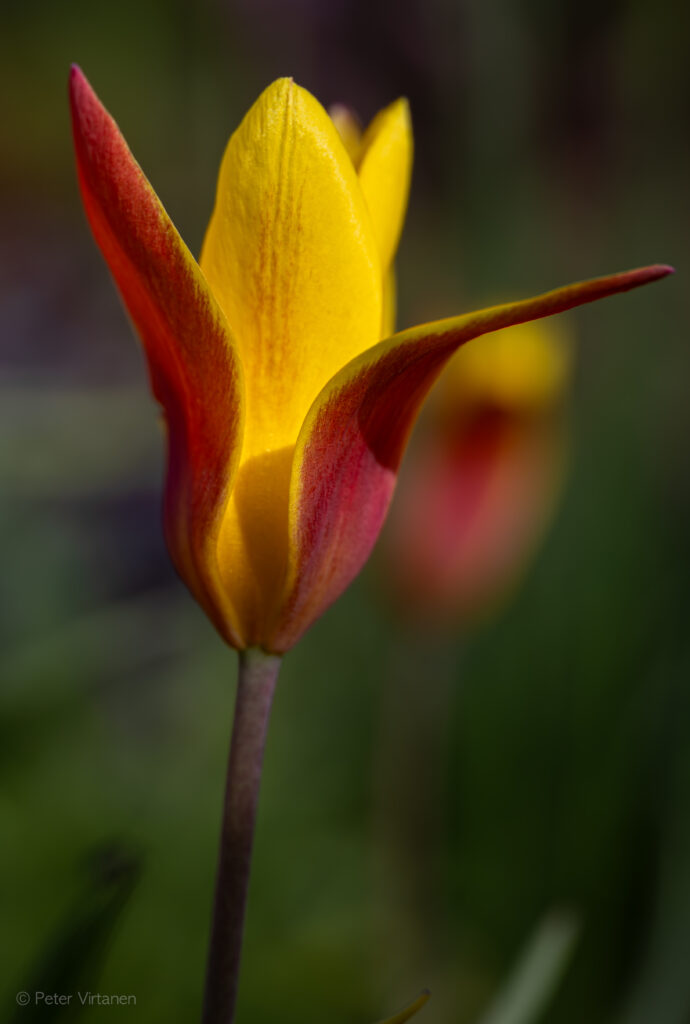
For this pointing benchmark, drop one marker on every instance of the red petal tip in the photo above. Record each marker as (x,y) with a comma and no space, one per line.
(643,275)
(658,270)
(79,88)
(76,74)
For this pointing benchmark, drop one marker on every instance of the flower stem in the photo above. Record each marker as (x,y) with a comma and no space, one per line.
(257,677)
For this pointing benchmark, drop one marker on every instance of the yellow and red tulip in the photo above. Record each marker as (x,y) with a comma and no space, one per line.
(287,414)
(480,487)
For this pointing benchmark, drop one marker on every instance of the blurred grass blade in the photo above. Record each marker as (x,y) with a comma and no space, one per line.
(536,975)
(72,959)
(409,1011)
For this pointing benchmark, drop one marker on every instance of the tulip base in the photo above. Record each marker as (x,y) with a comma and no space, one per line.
(258,673)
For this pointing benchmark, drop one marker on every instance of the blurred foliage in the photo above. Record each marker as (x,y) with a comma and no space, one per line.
(552,145)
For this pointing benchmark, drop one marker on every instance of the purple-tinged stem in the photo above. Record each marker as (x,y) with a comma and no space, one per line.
(258,673)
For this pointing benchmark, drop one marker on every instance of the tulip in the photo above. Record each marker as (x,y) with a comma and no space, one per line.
(480,488)
(287,410)
(287,415)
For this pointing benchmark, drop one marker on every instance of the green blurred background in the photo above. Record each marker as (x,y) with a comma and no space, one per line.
(549,765)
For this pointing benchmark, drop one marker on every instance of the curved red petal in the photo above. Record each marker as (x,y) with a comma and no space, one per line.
(195,373)
(349,450)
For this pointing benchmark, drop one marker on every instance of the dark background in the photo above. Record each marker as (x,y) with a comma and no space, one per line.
(550,763)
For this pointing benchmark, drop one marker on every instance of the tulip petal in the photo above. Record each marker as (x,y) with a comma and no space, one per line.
(384,163)
(194,369)
(291,257)
(383,158)
(349,450)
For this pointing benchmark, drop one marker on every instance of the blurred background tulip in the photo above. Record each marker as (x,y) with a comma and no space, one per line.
(551,142)
(480,486)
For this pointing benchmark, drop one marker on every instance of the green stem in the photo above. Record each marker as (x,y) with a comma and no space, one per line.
(258,673)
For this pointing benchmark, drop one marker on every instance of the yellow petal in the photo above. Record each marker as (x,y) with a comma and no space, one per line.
(291,257)
(387,146)
(385,166)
